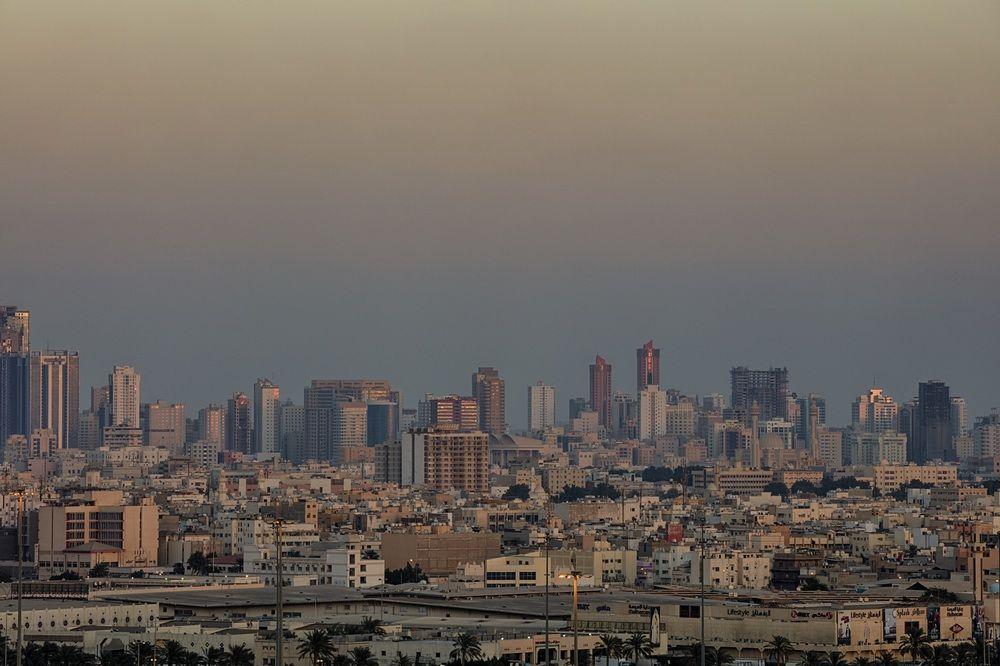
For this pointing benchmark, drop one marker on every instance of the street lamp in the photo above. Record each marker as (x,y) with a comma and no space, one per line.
(575,575)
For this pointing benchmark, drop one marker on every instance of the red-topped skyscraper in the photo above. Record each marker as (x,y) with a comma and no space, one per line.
(600,390)
(647,366)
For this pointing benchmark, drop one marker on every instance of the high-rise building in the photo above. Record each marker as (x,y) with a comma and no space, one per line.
(212,425)
(714,402)
(462,411)
(577,405)
(652,413)
(164,424)
(768,388)
(986,436)
(15,330)
(441,458)
(293,430)
(600,390)
(959,416)
(266,404)
(875,412)
(541,407)
(350,427)
(238,425)
(933,439)
(802,428)
(488,390)
(624,416)
(123,397)
(382,426)
(55,395)
(15,372)
(647,366)
(336,415)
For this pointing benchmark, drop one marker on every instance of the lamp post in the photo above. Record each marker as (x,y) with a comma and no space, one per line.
(575,575)
(548,522)
(701,575)
(20,573)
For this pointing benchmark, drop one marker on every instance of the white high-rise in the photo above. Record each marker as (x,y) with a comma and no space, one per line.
(875,412)
(266,419)
(541,407)
(959,416)
(652,412)
(123,400)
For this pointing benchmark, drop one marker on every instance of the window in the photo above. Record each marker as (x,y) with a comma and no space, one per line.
(687,610)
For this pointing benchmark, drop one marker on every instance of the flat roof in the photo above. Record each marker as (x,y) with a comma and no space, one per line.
(234,598)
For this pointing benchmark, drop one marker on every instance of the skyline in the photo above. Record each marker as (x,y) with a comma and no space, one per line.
(784,184)
(516,392)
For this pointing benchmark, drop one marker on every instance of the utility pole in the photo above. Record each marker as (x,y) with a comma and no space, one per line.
(548,523)
(701,567)
(576,632)
(20,574)
(279,609)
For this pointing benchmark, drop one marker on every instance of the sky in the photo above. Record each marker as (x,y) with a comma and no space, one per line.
(217,191)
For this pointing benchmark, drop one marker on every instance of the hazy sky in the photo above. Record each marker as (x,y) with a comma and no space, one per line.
(217,190)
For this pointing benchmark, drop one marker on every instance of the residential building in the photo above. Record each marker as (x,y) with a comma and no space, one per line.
(266,420)
(55,395)
(652,413)
(933,428)
(600,390)
(488,390)
(164,424)
(239,429)
(541,407)
(768,388)
(647,366)
(875,412)
(124,389)
(443,458)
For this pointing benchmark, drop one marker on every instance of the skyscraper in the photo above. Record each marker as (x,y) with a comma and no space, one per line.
(382,426)
(875,412)
(15,372)
(164,425)
(212,425)
(647,366)
(488,390)
(600,390)
(768,388)
(541,407)
(238,426)
(933,427)
(802,428)
(652,413)
(462,411)
(577,405)
(266,404)
(123,397)
(293,430)
(959,416)
(624,416)
(55,395)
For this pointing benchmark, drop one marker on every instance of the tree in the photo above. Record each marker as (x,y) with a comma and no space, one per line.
(612,646)
(402,660)
(198,563)
(813,585)
(171,653)
(214,656)
(713,656)
(637,646)
(834,658)
(340,660)
(940,655)
(813,658)
(886,658)
(317,646)
(804,487)
(117,658)
(100,570)
(966,654)
(917,644)
(140,652)
(778,649)
(179,569)
(411,573)
(862,661)
(362,656)
(939,595)
(466,648)
(239,655)
(369,554)
(71,655)
(519,491)
(192,658)
(776,488)
(66,575)
(371,625)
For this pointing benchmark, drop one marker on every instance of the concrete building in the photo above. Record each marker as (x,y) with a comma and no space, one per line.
(317,564)
(124,390)
(488,390)
(55,395)
(212,425)
(76,537)
(872,449)
(600,390)
(624,416)
(15,371)
(680,420)
(164,424)
(875,412)
(933,439)
(959,416)
(541,407)
(768,388)
(239,428)
(652,413)
(266,420)
(647,366)
(438,554)
(888,478)
(435,410)
(444,459)
(293,430)
(986,435)
(731,569)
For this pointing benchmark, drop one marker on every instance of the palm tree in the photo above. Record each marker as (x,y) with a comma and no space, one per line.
(917,644)
(171,653)
(214,656)
(239,655)
(336,629)
(713,656)
(778,649)
(402,660)
(612,646)
(940,655)
(813,658)
(862,661)
(371,625)
(638,646)
(886,658)
(340,660)
(116,658)
(834,658)
(466,648)
(317,646)
(192,658)
(72,655)
(966,654)
(362,656)
(140,652)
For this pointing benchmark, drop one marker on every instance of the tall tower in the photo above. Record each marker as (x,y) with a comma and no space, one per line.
(813,428)
(755,436)
(541,407)
(266,405)
(600,390)
(238,427)
(15,374)
(55,395)
(647,366)
(768,388)
(933,436)
(123,397)
(488,390)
